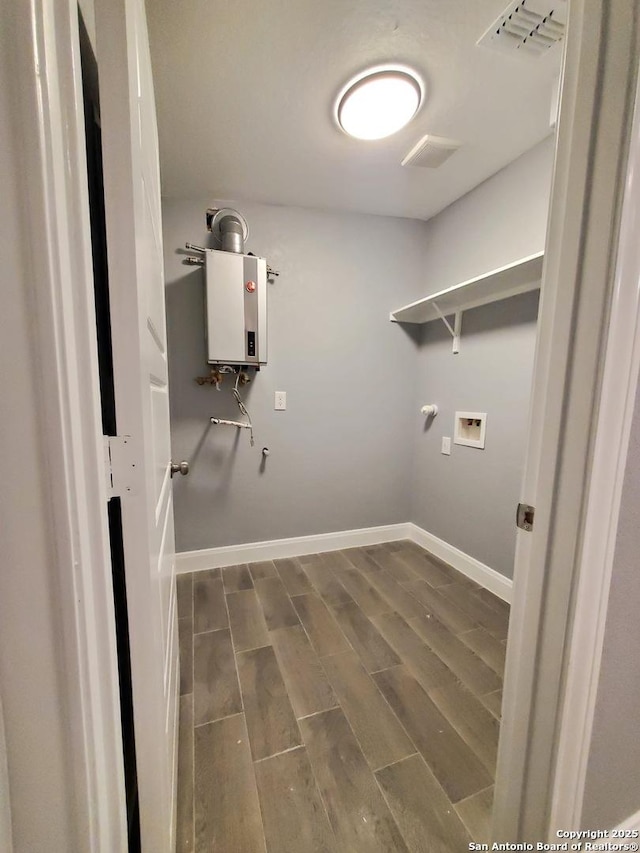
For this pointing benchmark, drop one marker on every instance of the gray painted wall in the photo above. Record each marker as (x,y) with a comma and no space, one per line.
(341,453)
(502,220)
(469,498)
(612,791)
(350,451)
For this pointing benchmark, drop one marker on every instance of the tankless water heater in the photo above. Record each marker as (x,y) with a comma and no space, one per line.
(236,308)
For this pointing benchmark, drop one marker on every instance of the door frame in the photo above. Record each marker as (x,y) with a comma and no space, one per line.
(53,164)
(6,834)
(617,402)
(572,435)
(46,57)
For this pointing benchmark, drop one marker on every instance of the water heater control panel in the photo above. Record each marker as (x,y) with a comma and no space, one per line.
(236,308)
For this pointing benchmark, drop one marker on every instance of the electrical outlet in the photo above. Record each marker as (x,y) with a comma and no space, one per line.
(446,446)
(280,402)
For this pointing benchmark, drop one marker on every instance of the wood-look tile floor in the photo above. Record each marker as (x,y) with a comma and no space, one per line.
(345,702)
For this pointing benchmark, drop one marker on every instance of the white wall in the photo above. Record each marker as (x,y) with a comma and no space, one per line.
(612,790)
(469,498)
(33,698)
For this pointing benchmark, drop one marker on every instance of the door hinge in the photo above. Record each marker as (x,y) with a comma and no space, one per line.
(524,516)
(119,463)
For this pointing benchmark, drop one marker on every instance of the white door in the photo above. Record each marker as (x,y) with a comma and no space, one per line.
(136,281)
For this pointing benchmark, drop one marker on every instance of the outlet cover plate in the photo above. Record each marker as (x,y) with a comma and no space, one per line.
(446,446)
(280,401)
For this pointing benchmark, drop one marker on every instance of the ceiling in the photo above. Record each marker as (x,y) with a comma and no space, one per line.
(245,92)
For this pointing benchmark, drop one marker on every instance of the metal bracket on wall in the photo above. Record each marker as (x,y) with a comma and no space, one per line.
(457,327)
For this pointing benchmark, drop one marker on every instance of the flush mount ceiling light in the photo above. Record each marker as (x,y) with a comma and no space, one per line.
(379,102)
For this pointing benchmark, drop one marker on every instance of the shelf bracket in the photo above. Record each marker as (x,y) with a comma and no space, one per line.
(453,330)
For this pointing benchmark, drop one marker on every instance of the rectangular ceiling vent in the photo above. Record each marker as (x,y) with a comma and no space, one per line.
(431,152)
(528,27)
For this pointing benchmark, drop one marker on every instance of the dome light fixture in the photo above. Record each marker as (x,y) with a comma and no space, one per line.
(379,102)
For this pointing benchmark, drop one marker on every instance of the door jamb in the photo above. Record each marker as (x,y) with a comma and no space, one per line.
(619,389)
(52,170)
(6,833)
(578,284)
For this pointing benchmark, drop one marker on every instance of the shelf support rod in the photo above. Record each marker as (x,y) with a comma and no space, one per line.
(454,330)
(457,329)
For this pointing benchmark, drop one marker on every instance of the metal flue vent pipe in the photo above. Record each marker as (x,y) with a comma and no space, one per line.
(232,237)
(229,229)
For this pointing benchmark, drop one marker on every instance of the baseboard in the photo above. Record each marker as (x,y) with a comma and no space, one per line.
(631,823)
(276,549)
(488,578)
(298,546)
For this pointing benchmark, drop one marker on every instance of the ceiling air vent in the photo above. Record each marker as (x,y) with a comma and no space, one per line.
(431,152)
(528,27)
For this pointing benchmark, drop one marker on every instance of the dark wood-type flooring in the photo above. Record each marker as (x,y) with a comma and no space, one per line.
(345,702)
